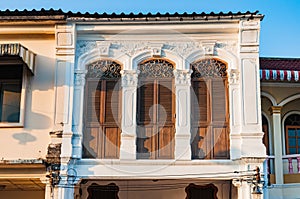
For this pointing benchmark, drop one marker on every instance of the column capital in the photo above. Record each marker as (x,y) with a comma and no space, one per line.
(275,109)
(182,77)
(129,77)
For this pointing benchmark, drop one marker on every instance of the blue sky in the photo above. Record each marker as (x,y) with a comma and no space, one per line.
(280,29)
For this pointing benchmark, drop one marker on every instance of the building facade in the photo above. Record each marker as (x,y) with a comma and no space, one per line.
(130,105)
(280,122)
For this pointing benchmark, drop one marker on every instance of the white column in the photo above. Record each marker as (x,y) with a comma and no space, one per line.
(183,114)
(78,113)
(129,97)
(276,117)
(235,114)
(243,190)
(48,190)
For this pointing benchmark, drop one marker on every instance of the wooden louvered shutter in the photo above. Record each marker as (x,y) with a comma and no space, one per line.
(155,120)
(145,120)
(201,142)
(101,137)
(220,118)
(165,120)
(209,103)
(219,96)
(200,102)
(145,102)
(156,110)
(110,125)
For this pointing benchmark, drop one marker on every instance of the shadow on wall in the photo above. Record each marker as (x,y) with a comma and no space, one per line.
(43,83)
(24,138)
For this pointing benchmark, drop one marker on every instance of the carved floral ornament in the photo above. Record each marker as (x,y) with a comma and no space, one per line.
(104,69)
(156,68)
(208,68)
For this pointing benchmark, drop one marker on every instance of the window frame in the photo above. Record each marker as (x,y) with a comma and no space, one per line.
(23,96)
(207,127)
(297,147)
(100,152)
(154,140)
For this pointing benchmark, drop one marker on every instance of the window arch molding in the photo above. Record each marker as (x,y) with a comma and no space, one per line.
(102,110)
(210,102)
(284,130)
(170,56)
(221,54)
(94,55)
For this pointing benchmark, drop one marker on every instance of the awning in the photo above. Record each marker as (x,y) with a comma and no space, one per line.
(279,75)
(16,49)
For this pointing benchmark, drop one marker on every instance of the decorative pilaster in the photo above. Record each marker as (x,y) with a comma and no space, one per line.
(65,37)
(276,118)
(251,131)
(77,113)
(183,114)
(235,113)
(129,96)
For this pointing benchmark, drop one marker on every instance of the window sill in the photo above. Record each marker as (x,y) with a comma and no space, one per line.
(11,125)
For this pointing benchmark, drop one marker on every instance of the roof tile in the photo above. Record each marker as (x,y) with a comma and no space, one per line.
(279,63)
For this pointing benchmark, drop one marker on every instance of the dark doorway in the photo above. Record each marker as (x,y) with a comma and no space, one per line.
(109,191)
(198,192)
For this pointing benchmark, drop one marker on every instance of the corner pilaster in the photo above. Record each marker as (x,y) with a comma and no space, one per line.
(129,97)
(183,113)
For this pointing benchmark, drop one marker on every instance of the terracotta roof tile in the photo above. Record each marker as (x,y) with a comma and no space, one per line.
(8,14)
(279,63)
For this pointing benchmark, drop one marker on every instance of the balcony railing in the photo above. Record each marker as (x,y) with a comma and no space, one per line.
(291,168)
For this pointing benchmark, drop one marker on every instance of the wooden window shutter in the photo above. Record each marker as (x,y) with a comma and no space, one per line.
(156,111)
(209,100)
(103,105)
(219,106)
(199,102)
(145,102)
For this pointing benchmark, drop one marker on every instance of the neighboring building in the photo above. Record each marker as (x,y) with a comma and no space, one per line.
(130,106)
(280,91)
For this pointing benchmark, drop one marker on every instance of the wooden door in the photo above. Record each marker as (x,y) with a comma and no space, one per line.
(156,119)
(209,109)
(102,111)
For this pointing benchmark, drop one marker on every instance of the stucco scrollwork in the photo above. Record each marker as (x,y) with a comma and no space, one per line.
(183,49)
(130,48)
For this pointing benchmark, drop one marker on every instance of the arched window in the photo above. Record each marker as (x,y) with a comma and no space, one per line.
(265,128)
(101,137)
(155,110)
(292,134)
(209,108)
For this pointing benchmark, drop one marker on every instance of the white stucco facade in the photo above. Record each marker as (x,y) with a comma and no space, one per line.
(55,102)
